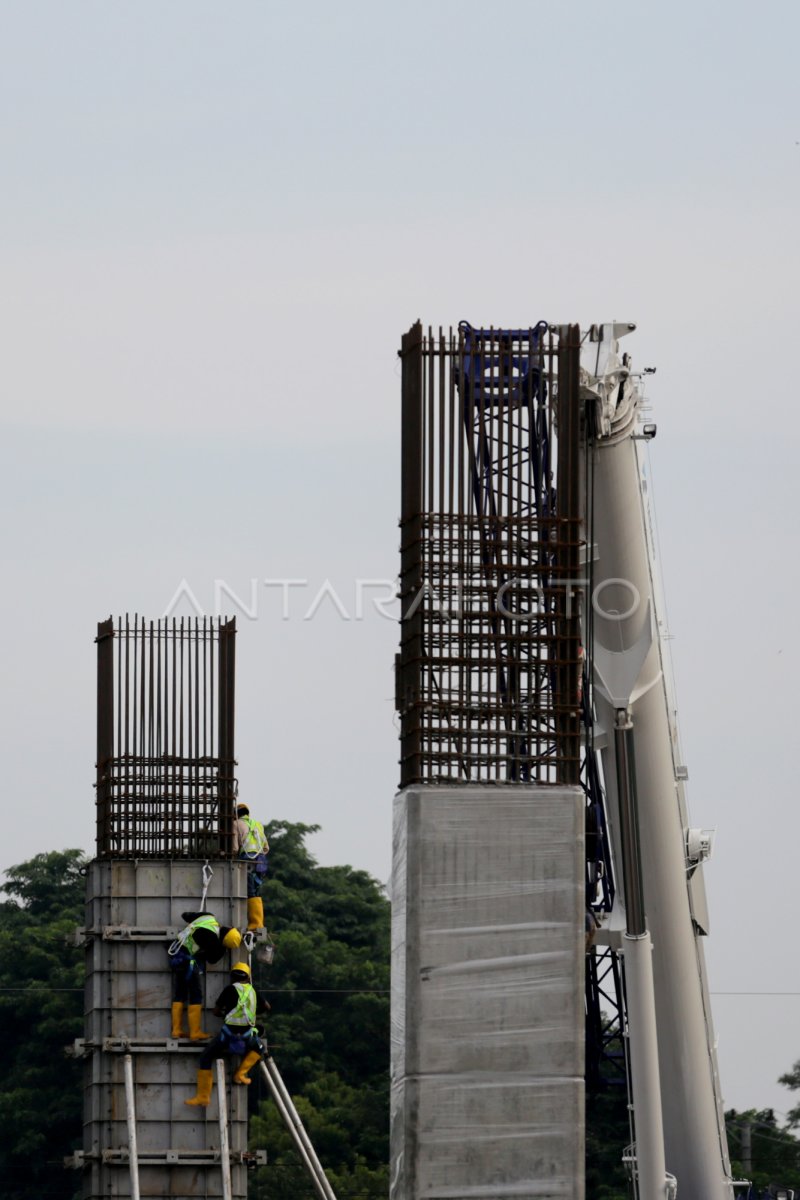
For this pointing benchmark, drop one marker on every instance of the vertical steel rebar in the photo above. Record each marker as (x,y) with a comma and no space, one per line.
(487,690)
(227,633)
(165,776)
(105,725)
(409,663)
(568,494)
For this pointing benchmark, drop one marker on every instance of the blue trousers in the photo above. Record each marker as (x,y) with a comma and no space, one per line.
(256,872)
(230,1041)
(187,975)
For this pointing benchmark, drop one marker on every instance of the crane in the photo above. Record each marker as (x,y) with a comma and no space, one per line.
(659,917)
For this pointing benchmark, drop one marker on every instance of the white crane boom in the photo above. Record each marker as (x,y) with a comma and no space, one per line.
(633,688)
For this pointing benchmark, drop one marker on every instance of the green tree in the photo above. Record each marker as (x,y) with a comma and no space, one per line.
(328,1029)
(607,1135)
(329,1025)
(774,1151)
(791,1080)
(336,1117)
(41,1009)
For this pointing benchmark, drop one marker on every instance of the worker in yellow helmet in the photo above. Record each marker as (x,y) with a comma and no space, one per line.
(238,1006)
(203,941)
(252,844)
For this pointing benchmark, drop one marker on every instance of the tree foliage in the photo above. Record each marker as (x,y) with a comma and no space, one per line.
(607,1135)
(328,1031)
(791,1080)
(41,1008)
(774,1151)
(329,1025)
(774,1160)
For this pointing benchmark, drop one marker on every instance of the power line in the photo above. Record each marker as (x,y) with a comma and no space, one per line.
(755,993)
(346,991)
(325,991)
(43,991)
(351,991)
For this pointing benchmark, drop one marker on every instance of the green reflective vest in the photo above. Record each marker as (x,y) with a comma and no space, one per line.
(256,841)
(245,1011)
(187,938)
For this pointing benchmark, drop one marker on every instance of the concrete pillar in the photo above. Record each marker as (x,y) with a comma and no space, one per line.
(488,906)
(128,996)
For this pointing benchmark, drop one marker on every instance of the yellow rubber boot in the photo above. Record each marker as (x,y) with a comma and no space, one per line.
(255,913)
(245,1066)
(205,1082)
(195,1016)
(177,1019)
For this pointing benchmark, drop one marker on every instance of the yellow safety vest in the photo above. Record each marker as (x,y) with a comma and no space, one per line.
(256,841)
(245,1011)
(187,939)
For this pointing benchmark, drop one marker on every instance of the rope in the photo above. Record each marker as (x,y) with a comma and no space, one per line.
(179,940)
(207,874)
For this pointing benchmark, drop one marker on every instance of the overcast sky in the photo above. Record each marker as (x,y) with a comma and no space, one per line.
(217,221)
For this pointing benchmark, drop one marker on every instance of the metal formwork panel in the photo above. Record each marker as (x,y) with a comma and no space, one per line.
(127,1006)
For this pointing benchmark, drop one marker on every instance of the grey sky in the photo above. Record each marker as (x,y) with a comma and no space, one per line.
(218,220)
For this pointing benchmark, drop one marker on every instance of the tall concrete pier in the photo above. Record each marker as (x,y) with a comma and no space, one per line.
(487,1003)
(489,866)
(165,845)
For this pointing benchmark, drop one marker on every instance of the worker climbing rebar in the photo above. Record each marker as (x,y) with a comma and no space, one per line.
(238,1005)
(202,941)
(253,847)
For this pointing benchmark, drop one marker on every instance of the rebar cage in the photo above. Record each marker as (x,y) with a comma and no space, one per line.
(165,738)
(489,669)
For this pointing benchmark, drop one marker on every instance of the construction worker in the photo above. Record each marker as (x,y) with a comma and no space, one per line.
(203,941)
(252,844)
(237,1005)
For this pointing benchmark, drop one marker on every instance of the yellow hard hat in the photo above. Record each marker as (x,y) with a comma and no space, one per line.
(232,939)
(243,967)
